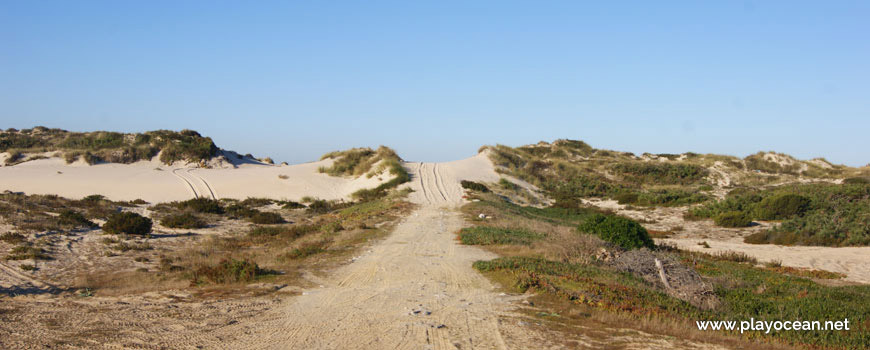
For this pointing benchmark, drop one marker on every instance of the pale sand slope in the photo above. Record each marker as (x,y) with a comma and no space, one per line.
(415,290)
(156,182)
(854,262)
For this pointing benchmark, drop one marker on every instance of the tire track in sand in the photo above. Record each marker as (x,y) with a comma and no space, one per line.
(187,182)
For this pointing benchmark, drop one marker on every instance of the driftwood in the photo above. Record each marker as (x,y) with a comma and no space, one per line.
(662,275)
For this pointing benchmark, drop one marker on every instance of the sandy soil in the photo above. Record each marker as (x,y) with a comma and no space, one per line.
(156,182)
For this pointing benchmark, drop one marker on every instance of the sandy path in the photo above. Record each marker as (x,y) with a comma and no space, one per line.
(414,290)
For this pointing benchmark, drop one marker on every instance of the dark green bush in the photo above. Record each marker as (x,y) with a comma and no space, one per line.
(266,218)
(129,223)
(732,219)
(202,205)
(74,219)
(618,230)
(185,220)
(474,186)
(291,205)
(782,206)
(626,198)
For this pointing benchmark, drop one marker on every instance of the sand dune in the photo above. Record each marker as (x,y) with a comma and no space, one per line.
(156,182)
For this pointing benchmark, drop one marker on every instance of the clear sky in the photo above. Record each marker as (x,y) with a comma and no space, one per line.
(437,79)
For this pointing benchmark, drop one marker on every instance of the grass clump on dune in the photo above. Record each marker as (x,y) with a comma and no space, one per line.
(485,235)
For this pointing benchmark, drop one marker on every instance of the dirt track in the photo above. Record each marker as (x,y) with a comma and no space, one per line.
(414,290)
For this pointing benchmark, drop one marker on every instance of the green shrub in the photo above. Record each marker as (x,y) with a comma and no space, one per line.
(256,202)
(857,181)
(238,211)
(75,219)
(705,188)
(782,206)
(129,223)
(618,230)
(202,205)
(291,205)
(266,218)
(474,186)
(732,219)
(185,221)
(506,184)
(626,198)
(660,173)
(485,235)
(228,271)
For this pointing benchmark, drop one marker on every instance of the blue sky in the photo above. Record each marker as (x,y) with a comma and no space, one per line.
(436,80)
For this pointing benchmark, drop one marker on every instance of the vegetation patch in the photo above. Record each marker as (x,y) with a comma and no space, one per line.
(128,223)
(485,235)
(733,219)
(266,218)
(618,230)
(184,220)
(811,214)
(112,147)
(474,186)
(201,205)
(228,271)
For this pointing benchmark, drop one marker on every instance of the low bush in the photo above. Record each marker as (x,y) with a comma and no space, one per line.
(228,271)
(74,219)
(27,252)
(202,205)
(129,223)
(732,219)
(660,173)
(506,184)
(12,237)
(185,221)
(738,257)
(320,206)
(782,206)
(291,205)
(618,230)
(485,235)
(474,186)
(305,250)
(266,218)
(286,231)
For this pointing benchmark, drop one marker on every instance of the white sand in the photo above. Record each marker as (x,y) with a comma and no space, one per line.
(156,182)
